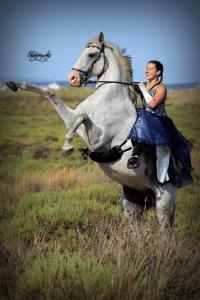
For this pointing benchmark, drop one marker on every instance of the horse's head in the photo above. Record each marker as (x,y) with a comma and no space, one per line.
(90,63)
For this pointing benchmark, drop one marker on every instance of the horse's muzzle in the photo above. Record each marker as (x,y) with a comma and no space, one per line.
(75,78)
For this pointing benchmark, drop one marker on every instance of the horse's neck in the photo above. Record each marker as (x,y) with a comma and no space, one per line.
(113,73)
(115,97)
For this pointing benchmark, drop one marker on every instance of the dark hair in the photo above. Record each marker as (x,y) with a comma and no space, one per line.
(159,67)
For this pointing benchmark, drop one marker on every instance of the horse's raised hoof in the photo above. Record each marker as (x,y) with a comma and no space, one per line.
(67,149)
(68,152)
(12,85)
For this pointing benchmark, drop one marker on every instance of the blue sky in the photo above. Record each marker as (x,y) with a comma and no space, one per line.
(164,30)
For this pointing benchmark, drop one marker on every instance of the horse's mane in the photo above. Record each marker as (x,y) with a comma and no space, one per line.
(124,60)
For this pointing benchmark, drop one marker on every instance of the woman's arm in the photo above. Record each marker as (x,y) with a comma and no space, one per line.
(160,95)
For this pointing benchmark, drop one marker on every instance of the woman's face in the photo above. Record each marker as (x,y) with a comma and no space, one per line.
(151,72)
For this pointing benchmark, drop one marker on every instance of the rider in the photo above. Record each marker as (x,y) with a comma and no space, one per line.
(154,127)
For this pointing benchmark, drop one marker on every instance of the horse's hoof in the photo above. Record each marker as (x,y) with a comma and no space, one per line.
(12,85)
(68,150)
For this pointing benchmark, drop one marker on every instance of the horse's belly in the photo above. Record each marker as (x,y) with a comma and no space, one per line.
(119,172)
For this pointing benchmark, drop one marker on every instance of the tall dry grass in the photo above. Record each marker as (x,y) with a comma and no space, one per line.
(111,261)
(53,181)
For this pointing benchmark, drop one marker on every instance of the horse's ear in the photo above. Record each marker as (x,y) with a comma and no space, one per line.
(101,37)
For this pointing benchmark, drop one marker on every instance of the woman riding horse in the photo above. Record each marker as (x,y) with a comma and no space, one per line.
(154,127)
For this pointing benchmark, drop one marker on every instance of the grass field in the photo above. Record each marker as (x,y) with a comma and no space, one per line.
(63,235)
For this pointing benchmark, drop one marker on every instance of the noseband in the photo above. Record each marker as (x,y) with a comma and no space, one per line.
(85,74)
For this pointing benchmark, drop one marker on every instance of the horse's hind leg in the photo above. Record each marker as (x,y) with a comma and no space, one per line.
(132,211)
(165,205)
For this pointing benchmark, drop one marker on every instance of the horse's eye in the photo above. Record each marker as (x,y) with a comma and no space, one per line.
(91,54)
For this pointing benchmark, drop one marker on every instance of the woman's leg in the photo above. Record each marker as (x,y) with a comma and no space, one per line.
(133,161)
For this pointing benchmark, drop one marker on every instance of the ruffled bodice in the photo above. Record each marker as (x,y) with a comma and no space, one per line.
(159,110)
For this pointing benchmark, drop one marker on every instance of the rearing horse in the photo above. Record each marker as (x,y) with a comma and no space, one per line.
(104,121)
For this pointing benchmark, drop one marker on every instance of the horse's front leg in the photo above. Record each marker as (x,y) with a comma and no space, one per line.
(68,147)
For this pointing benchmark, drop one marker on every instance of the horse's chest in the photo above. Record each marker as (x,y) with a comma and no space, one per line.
(101,112)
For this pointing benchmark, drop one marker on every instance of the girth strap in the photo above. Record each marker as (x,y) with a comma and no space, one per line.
(108,156)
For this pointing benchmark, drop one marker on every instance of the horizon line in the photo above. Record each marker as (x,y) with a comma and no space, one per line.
(34,80)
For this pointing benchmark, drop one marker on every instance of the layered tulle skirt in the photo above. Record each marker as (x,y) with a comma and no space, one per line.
(154,129)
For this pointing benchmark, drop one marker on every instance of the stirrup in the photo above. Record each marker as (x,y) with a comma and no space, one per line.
(133,162)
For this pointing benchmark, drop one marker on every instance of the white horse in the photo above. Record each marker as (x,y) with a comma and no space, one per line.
(104,121)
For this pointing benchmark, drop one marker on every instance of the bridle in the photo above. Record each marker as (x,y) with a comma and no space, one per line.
(85,74)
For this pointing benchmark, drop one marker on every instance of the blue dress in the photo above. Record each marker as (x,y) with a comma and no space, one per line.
(154,127)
